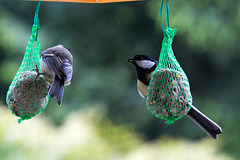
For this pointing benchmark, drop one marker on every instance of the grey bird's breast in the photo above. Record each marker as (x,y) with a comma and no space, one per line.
(48,73)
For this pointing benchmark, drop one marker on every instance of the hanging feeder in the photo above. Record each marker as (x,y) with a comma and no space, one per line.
(168,94)
(27,94)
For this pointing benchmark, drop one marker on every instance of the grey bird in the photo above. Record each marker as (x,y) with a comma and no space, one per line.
(57,69)
(145,66)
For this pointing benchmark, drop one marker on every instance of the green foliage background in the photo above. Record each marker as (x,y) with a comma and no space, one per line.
(101,37)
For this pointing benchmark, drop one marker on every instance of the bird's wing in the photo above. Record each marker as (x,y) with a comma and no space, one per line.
(67,70)
(53,63)
(57,90)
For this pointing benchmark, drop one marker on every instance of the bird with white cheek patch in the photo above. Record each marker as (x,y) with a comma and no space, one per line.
(145,67)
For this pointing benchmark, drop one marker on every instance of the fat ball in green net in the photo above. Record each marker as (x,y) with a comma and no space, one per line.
(27,95)
(168,93)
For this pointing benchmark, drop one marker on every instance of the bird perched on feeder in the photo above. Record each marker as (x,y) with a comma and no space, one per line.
(145,67)
(57,69)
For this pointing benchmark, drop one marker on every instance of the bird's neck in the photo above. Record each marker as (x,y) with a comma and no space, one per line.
(142,76)
(145,75)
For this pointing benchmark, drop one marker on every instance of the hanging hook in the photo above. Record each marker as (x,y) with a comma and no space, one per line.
(161,8)
(36,18)
(168,16)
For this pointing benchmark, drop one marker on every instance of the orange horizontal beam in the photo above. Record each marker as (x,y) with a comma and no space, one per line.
(88,1)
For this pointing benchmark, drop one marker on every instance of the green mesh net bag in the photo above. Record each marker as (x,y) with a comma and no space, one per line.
(27,94)
(168,94)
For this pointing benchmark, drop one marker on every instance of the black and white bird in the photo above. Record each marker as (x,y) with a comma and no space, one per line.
(145,66)
(57,69)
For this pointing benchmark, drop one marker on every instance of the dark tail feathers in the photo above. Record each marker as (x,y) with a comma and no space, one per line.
(57,89)
(210,127)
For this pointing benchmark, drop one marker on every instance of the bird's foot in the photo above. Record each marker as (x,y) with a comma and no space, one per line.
(38,73)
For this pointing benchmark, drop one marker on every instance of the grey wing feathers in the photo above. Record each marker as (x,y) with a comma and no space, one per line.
(62,68)
(57,90)
(67,70)
(53,63)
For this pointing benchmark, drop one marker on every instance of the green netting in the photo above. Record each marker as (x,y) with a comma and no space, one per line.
(27,95)
(168,93)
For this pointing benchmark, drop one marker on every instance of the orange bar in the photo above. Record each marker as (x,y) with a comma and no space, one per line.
(111,1)
(88,1)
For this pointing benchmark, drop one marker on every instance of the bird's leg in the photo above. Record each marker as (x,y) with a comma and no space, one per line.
(38,73)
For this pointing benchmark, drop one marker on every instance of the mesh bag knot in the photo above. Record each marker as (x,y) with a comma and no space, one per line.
(27,96)
(168,94)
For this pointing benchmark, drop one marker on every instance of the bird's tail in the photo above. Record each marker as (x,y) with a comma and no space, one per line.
(210,127)
(57,89)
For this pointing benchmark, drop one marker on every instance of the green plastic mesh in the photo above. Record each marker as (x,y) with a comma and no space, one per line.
(27,96)
(168,95)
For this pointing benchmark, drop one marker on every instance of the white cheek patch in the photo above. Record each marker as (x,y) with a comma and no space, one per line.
(146,64)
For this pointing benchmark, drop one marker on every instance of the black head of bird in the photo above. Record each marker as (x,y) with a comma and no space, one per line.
(57,69)
(145,67)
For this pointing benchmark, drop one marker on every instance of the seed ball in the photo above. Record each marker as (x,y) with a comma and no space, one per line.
(28,96)
(173,95)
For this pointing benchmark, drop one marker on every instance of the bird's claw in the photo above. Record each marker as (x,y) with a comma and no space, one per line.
(38,73)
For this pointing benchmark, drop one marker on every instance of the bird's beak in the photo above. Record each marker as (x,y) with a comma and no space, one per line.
(129,60)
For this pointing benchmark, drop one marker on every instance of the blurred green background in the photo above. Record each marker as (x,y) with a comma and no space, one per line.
(102,116)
